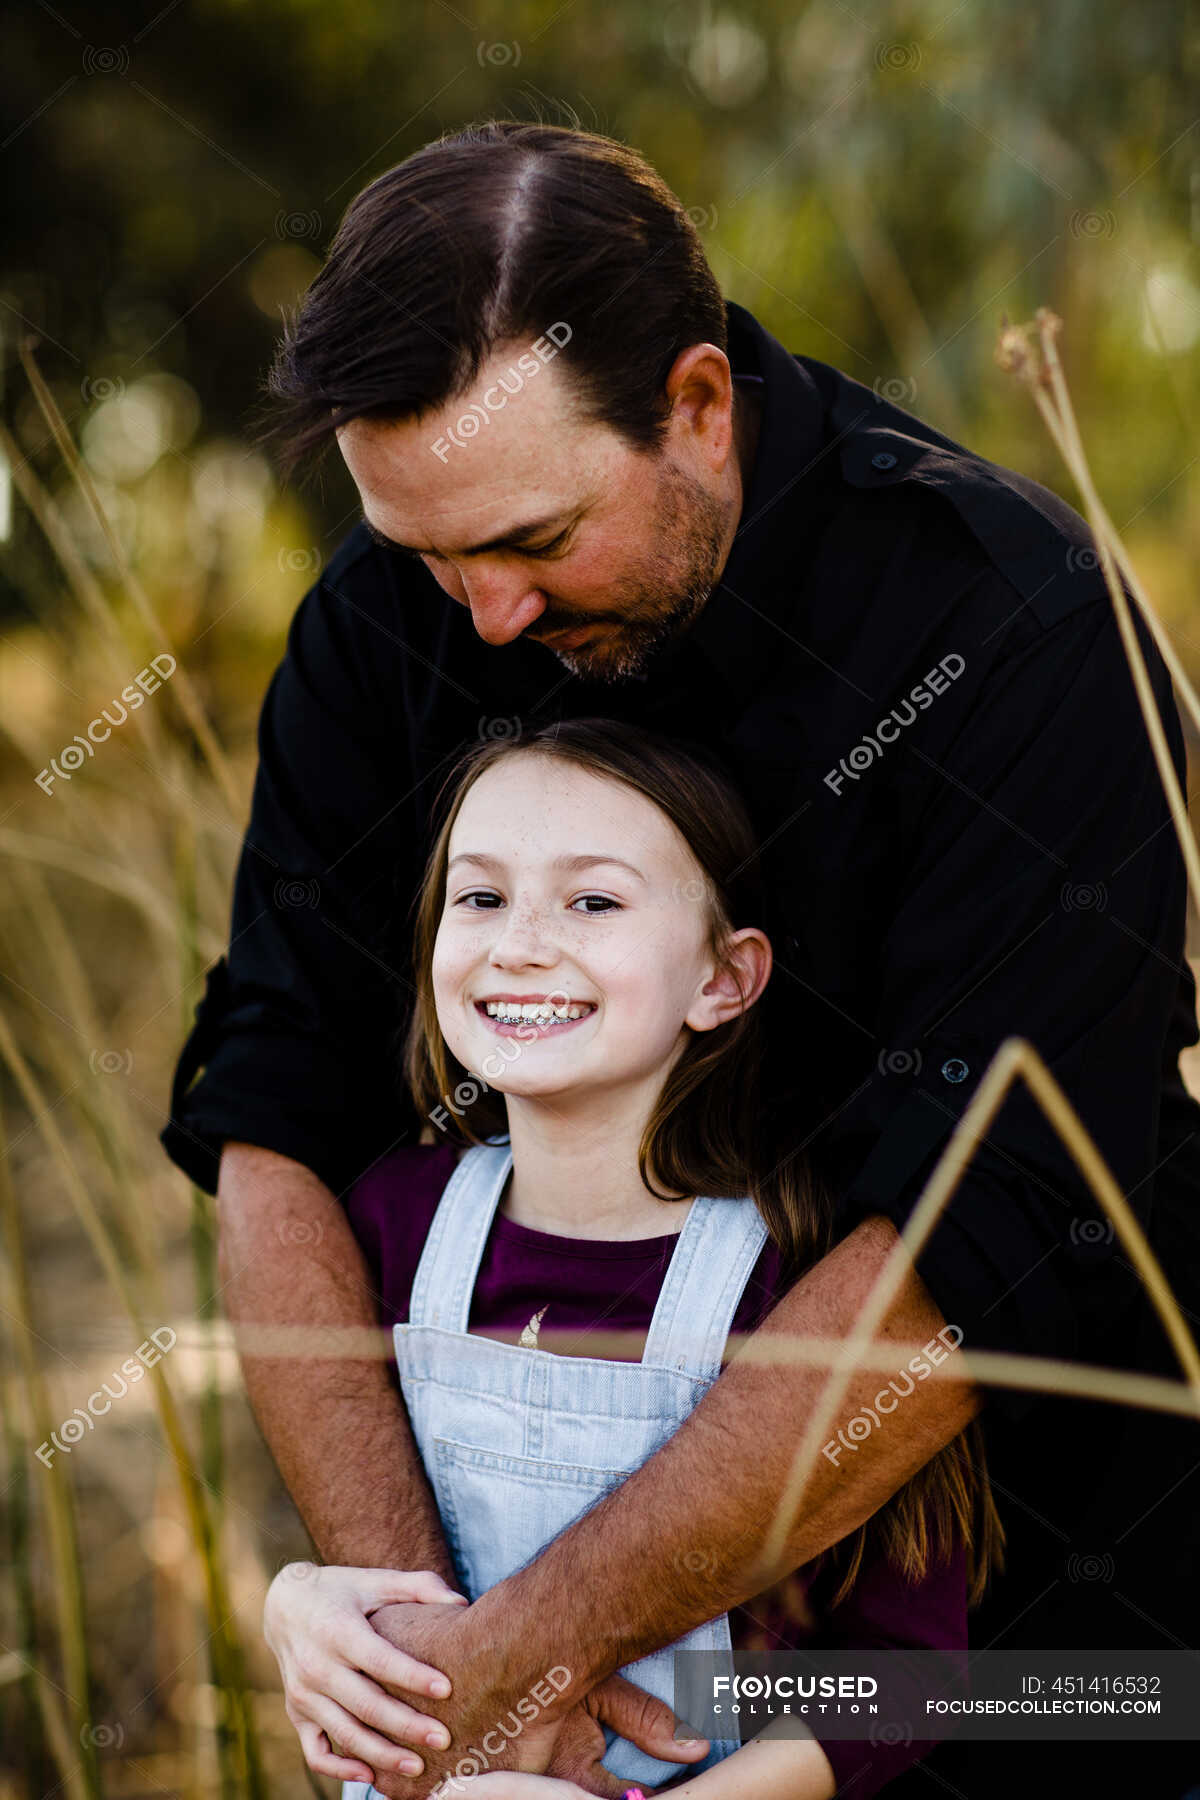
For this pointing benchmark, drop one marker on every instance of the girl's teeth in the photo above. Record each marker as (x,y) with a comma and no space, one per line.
(539,1012)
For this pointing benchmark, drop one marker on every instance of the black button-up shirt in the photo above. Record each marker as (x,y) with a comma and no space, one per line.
(912,667)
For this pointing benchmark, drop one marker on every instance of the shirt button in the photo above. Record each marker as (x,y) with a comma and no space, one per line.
(955,1069)
(883,459)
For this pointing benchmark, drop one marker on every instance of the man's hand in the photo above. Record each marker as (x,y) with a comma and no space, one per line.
(494,1727)
(632,1713)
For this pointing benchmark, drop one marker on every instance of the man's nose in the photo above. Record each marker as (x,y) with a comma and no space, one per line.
(502,602)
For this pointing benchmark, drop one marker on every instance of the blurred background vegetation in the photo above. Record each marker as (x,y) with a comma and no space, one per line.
(878,185)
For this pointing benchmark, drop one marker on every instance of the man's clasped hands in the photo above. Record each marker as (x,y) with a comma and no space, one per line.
(347,1639)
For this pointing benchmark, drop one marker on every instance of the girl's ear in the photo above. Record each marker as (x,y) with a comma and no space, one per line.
(749,951)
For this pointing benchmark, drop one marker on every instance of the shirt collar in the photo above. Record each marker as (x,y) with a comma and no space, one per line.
(743,621)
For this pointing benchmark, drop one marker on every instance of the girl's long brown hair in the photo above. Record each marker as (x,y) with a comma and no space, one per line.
(706,1133)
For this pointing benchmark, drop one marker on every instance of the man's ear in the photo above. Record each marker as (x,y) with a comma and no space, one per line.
(699,386)
(720,999)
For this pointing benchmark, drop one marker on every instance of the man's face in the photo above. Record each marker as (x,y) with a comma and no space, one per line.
(627,546)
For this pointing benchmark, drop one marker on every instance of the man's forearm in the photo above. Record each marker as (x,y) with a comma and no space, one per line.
(336,1426)
(681,1539)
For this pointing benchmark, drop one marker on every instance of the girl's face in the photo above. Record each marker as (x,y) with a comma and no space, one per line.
(572,952)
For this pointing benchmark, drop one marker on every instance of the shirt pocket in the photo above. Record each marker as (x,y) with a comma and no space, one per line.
(499,1510)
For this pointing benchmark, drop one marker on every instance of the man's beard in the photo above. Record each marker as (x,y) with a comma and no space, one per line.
(662,599)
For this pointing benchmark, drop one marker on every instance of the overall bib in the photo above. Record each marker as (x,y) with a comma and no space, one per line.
(517,1442)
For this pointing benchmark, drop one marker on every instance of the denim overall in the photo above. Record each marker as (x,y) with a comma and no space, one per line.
(518,1442)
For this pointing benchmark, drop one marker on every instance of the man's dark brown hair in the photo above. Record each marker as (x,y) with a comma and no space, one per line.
(482,238)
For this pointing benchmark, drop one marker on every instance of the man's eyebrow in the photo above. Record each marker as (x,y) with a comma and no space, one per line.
(517,535)
(584,859)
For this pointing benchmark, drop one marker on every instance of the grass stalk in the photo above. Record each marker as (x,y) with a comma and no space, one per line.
(237,1734)
(72,1737)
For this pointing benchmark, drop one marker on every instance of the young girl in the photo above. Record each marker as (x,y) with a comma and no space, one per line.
(587,1039)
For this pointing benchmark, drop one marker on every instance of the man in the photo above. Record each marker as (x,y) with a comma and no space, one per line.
(591,485)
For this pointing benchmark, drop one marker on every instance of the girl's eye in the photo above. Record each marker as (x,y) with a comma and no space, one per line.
(488,901)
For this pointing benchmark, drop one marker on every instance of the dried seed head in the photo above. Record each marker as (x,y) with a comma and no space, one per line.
(1013,353)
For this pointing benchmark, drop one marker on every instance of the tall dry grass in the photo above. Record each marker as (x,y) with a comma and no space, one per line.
(113,910)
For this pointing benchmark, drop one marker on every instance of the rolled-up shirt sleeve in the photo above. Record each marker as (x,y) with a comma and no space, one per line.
(1044,898)
(295,1045)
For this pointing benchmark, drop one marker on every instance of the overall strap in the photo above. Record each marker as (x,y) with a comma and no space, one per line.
(710,1266)
(713,1256)
(445,1277)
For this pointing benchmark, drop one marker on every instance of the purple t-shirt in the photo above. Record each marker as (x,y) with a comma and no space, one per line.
(584,1285)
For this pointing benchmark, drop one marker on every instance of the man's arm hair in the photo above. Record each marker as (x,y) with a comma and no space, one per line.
(680,1540)
(335,1424)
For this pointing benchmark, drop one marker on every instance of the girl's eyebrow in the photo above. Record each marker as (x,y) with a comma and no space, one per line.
(584,859)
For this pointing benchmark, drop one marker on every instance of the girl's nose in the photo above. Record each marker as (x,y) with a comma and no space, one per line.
(521,940)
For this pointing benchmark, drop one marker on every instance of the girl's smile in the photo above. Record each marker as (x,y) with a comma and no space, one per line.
(526,1016)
